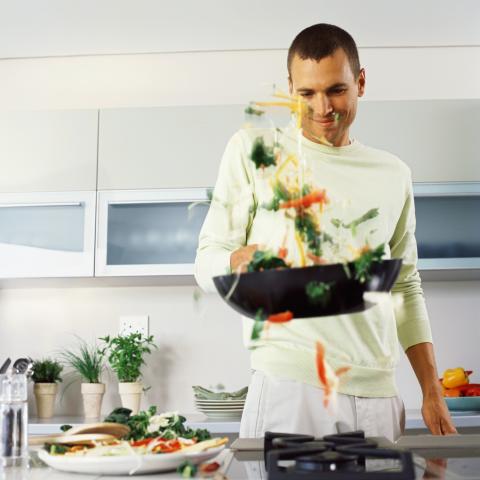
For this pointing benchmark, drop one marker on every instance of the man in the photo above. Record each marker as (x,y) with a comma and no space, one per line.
(285,394)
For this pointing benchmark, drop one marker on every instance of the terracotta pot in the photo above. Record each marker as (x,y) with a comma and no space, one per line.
(131,395)
(92,399)
(45,394)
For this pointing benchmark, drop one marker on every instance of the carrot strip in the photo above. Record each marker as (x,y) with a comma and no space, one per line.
(281,317)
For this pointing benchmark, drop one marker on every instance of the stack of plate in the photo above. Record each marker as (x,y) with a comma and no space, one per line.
(221,409)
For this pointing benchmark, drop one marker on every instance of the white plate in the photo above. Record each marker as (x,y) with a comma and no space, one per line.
(220,404)
(126,464)
(219,409)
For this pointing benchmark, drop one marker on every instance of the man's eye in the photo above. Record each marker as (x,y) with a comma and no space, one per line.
(306,94)
(339,91)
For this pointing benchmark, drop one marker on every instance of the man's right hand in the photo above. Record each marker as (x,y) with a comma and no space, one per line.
(239,259)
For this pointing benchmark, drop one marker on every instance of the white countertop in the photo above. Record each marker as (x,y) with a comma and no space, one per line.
(199,420)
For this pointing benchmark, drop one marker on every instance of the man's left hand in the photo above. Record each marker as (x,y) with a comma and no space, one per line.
(436,415)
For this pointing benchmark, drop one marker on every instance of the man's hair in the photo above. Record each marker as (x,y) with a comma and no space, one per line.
(322,40)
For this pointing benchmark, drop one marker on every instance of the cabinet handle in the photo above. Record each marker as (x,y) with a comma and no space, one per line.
(46,204)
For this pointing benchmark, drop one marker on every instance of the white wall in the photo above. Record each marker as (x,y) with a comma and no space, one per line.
(442,61)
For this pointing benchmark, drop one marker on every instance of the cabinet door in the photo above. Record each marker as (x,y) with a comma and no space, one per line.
(165,147)
(48,151)
(149,232)
(47,234)
(436,138)
(448,230)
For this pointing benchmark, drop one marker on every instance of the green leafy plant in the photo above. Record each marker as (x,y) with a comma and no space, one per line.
(88,362)
(47,371)
(125,354)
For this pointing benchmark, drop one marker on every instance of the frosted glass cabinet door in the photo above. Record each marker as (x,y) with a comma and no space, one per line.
(47,234)
(151,232)
(448,226)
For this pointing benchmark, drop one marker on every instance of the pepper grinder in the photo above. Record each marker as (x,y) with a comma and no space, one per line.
(13,419)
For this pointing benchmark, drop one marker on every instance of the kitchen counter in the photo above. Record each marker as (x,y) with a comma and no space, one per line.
(198,420)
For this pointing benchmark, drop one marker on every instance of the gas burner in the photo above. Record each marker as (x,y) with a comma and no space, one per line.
(339,457)
(328,461)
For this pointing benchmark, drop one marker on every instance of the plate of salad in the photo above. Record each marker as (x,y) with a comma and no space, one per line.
(155,443)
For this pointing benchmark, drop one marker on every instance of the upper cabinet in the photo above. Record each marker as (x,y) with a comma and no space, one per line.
(48,151)
(164,147)
(437,139)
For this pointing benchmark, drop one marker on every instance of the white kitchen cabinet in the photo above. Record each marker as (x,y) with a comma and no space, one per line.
(437,139)
(164,147)
(151,232)
(448,227)
(47,234)
(48,151)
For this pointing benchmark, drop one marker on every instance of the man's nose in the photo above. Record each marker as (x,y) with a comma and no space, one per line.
(321,105)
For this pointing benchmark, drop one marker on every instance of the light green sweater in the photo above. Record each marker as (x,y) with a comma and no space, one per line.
(357,178)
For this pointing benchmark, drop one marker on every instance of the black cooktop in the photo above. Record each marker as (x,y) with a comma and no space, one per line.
(343,456)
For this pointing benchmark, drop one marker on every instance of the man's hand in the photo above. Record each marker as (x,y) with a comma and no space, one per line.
(434,410)
(435,413)
(239,259)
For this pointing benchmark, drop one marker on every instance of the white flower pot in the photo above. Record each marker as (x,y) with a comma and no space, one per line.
(131,395)
(45,394)
(92,399)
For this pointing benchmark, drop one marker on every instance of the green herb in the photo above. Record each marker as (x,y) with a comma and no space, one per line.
(143,425)
(319,292)
(262,155)
(309,232)
(55,448)
(252,110)
(187,469)
(280,194)
(65,428)
(372,213)
(265,260)
(258,325)
(88,363)
(47,371)
(363,264)
(125,354)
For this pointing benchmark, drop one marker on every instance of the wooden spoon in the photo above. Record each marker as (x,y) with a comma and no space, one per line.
(115,430)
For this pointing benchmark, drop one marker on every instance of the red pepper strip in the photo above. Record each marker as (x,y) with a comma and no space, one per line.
(280,317)
(140,443)
(322,373)
(167,446)
(282,252)
(306,201)
(209,467)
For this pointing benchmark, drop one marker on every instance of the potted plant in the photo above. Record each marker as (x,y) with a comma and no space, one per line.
(88,364)
(125,355)
(46,375)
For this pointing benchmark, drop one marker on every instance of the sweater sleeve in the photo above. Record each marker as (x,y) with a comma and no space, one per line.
(230,215)
(411,315)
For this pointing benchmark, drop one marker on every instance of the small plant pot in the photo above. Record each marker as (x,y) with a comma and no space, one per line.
(45,394)
(131,395)
(92,399)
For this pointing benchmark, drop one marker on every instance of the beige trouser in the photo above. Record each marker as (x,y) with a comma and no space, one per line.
(288,406)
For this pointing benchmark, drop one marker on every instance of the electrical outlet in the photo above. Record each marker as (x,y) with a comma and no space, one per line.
(133,324)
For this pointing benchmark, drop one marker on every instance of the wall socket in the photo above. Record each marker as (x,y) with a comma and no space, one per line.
(133,324)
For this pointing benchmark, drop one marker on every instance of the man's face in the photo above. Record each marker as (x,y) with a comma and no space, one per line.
(331,92)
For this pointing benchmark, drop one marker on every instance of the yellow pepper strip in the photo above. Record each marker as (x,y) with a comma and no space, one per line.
(291,158)
(300,249)
(454,377)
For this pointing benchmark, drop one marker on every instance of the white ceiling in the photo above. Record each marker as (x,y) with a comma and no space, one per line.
(36,28)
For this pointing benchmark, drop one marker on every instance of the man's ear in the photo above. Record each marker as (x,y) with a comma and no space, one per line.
(361,82)
(290,85)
